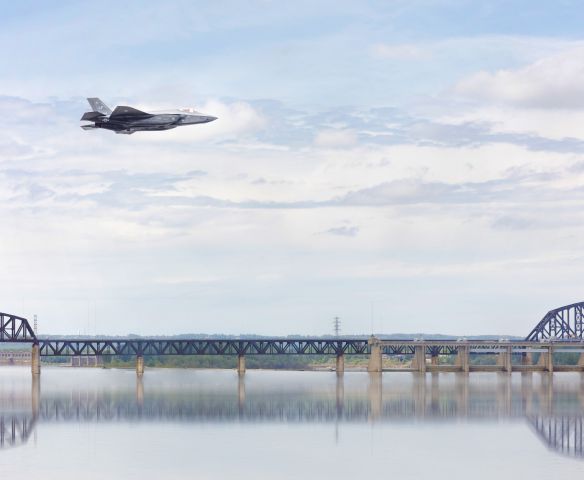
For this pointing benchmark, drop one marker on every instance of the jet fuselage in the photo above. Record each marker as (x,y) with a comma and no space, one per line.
(128,120)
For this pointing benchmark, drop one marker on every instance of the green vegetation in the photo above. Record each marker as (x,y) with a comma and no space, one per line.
(286,362)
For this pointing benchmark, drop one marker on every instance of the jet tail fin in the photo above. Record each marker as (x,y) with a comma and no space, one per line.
(98,106)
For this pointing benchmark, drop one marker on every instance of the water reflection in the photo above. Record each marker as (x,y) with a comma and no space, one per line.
(552,405)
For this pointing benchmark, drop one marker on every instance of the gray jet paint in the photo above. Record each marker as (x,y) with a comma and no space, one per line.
(128,120)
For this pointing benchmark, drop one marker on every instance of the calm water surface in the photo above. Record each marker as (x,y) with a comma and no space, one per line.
(210,424)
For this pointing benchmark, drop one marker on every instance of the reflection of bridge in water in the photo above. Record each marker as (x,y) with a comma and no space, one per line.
(554,412)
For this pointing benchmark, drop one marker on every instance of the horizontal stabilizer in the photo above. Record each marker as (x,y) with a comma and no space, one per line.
(123,111)
(92,116)
(88,127)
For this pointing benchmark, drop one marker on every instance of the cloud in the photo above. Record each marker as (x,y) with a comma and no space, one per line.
(343,231)
(236,119)
(335,139)
(554,82)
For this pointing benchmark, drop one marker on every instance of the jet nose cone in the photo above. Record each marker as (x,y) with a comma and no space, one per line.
(210,118)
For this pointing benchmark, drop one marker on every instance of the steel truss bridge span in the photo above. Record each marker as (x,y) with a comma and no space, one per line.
(15,329)
(274,346)
(563,323)
(239,347)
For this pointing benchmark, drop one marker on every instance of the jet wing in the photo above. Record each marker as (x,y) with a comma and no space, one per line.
(128,112)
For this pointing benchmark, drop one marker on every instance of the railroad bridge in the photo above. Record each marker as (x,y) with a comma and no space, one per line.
(560,330)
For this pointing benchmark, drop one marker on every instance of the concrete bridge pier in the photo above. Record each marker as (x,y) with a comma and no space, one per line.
(527,358)
(35,359)
(546,360)
(419,360)
(434,360)
(504,359)
(462,358)
(240,364)
(340,364)
(375,355)
(140,365)
(581,361)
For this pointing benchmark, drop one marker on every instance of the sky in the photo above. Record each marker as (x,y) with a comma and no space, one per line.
(409,166)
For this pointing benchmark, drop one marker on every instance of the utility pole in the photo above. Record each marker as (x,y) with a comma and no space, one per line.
(337,326)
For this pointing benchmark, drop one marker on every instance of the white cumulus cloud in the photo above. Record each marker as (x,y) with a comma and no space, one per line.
(555,82)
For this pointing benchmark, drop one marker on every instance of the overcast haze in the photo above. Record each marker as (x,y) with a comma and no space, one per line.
(410,166)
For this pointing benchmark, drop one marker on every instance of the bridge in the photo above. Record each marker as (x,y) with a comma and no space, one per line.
(560,331)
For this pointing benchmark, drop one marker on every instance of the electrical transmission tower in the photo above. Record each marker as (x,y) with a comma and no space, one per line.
(337,326)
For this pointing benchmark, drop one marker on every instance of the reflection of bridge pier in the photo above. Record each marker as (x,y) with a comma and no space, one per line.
(340,395)
(504,394)
(140,392)
(35,393)
(419,388)
(240,392)
(375,394)
(462,385)
(527,392)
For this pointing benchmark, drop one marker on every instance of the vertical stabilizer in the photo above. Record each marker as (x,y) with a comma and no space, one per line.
(98,106)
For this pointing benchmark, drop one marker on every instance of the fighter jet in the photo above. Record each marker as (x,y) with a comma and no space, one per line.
(128,120)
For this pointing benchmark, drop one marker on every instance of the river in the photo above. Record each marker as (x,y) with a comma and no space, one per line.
(94,423)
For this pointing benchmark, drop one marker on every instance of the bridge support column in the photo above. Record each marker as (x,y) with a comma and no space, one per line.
(240,364)
(504,359)
(35,359)
(419,361)
(546,360)
(527,358)
(375,355)
(581,361)
(340,364)
(139,365)
(462,358)
(434,360)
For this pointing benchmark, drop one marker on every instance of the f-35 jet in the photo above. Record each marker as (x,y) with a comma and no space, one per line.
(128,120)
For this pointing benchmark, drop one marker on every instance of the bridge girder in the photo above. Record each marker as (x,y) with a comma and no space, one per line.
(562,323)
(15,329)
